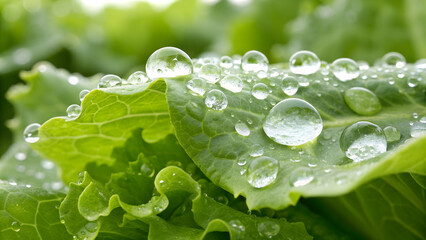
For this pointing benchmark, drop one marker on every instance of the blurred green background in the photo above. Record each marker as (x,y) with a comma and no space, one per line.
(95,36)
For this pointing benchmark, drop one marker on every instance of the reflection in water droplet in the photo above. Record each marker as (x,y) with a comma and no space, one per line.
(362,101)
(304,63)
(254,61)
(262,172)
(168,62)
(363,140)
(31,133)
(301,177)
(216,100)
(290,85)
(345,69)
(293,122)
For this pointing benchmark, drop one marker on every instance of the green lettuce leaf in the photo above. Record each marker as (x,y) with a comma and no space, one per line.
(210,139)
(30,213)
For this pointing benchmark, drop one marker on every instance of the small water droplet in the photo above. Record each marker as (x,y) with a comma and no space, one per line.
(303,81)
(147,170)
(91,227)
(237,225)
(226,62)
(293,122)
(268,229)
(20,156)
(257,150)
(362,101)
(210,72)
(80,178)
(418,128)
(262,172)
(168,62)
(197,86)
(254,61)
(73,111)
(48,165)
(421,64)
(301,177)
(241,162)
(345,69)
(83,94)
(216,100)
(412,81)
(31,133)
(393,59)
(73,80)
(290,85)
(363,140)
(16,226)
(304,63)
(363,65)
(392,134)
(242,129)
(232,83)
(62,220)
(260,91)
(109,80)
(137,78)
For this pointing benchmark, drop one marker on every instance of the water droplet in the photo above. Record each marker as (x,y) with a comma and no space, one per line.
(260,91)
(303,81)
(91,227)
(16,226)
(47,164)
(254,61)
(363,140)
(304,63)
(257,150)
(363,65)
(412,81)
(262,172)
(80,178)
(73,80)
(290,85)
(73,111)
(226,62)
(62,220)
(31,133)
(362,101)
(147,170)
(216,100)
(418,129)
(293,122)
(241,162)
(237,225)
(232,83)
(392,134)
(421,64)
(168,62)
(345,69)
(242,129)
(210,73)
(301,177)
(137,78)
(197,86)
(268,229)
(20,156)
(109,80)
(83,94)
(174,163)
(393,59)
(262,74)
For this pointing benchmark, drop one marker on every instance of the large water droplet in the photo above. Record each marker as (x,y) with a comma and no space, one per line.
(363,140)
(137,78)
(16,226)
(262,172)
(210,73)
(73,111)
(301,177)
(254,61)
(304,62)
(362,101)
(268,229)
(393,59)
(216,100)
(260,91)
(345,69)
(242,129)
(293,122)
(168,62)
(83,94)
(392,134)
(197,86)
(109,80)
(226,62)
(232,83)
(31,133)
(290,85)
